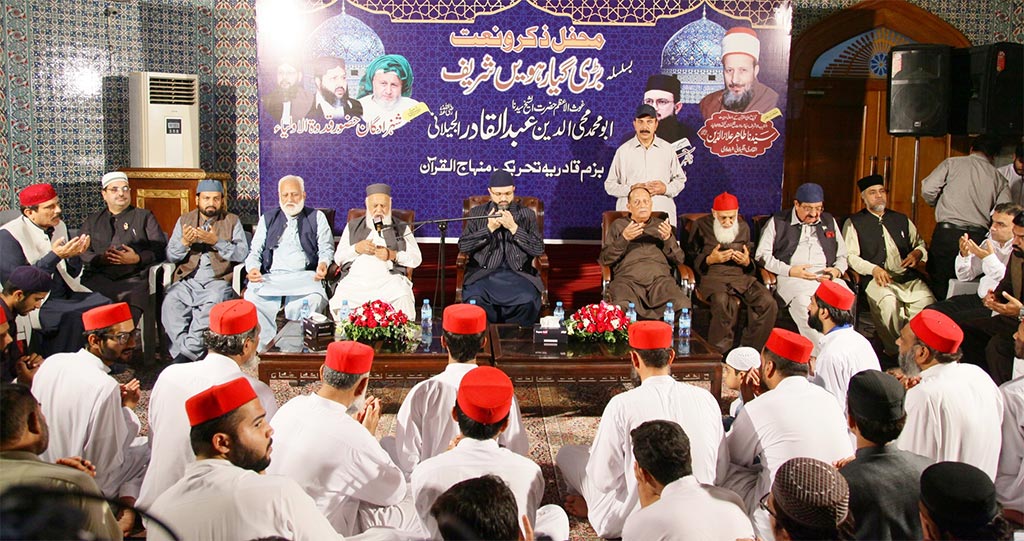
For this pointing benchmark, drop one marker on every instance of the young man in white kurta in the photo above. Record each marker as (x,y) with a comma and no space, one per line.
(84,405)
(325,442)
(794,418)
(602,473)
(955,412)
(168,423)
(1010,475)
(842,351)
(424,427)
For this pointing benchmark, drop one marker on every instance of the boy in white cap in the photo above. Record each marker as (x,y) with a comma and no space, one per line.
(737,363)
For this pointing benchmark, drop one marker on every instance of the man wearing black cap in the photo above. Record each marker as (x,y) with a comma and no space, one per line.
(647,161)
(662,93)
(958,501)
(374,253)
(884,247)
(884,481)
(803,246)
(500,275)
(23,293)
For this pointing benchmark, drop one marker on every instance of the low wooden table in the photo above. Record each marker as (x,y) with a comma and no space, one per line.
(525,362)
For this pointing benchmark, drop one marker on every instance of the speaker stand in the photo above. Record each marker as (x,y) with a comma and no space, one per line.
(913,191)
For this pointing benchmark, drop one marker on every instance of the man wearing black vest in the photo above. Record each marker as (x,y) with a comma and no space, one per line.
(803,246)
(884,247)
(288,259)
(206,244)
(374,253)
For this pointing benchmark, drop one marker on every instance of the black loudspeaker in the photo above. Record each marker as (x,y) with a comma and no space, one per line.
(988,90)
(919,89)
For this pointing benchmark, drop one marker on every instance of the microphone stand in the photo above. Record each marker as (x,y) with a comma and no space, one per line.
(442,227)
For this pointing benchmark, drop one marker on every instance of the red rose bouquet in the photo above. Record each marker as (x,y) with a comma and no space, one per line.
(602,322)
(377,320)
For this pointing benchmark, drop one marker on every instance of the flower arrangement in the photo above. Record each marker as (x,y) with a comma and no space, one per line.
(377,320)
(602,322)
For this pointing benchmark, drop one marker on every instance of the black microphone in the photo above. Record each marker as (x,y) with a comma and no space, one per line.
(378,224)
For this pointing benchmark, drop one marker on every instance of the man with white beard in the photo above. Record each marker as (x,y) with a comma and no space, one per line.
(384,93)
(291,248)
(727,276)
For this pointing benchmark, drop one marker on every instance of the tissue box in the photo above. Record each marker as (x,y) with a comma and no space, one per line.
(550,336)
(316,336)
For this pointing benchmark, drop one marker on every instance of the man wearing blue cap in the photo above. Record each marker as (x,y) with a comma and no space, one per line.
(206,244)
(23,293)
(804,247)
(126,241)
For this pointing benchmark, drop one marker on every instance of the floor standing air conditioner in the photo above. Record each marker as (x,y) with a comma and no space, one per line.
(164,119)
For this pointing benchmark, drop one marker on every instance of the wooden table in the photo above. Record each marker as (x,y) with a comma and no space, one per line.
(525,362)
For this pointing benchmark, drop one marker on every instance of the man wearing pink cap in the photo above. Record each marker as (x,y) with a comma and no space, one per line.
(231,343)
(954,410)
(482,409)
(39,237)
(727,276)
(784,416)
(602,476)
(843,351)
(91,415)
(326,443)
(741,50)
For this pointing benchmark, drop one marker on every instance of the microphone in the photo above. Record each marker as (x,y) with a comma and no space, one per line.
(378,224)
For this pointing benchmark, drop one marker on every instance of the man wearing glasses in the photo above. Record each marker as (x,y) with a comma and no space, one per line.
(126,241)
(91,415)
(884,247)
(804,247)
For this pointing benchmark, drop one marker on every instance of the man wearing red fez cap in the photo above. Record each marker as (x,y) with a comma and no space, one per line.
(23,293)
(944,392)
(96,415)
(40,238)
(843,351)
(333,430)
(727,276)
(424,430)
(597,474)
(743,92)
(482,409)
(641,251)
(231,344)
(222,495)
(784,416)
(885,247)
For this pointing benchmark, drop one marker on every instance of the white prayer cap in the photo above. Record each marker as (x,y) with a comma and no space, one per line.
(741,40)
(113,176)
(743,358)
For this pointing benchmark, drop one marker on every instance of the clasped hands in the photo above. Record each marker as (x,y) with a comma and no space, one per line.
(1010,308)
(254,275)
(366,247)
(718,255)
(505,220)
(190,234)
(634,230)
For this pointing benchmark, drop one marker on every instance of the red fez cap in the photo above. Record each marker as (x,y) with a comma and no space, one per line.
(485,395)
(464,319)
(726,201)
(102,317)
(233,317)
(789,345)
(650,335)
(937,331)
(35,194)
(835,295)
(218,400)
(349,357)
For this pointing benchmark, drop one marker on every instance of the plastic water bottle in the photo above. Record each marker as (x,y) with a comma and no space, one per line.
(631,313)
(670,315)
(472,301)
(427,320)
(684,323)
(339,325)
(559,312)
(305,312)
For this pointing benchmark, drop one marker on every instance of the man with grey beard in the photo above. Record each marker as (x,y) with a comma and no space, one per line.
(741,51)
(726,276)
(883,246)
(291,248)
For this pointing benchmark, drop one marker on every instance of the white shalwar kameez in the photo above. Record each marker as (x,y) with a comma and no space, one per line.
(843,352)
(955,414)
(475,458)
(690,511)
(341,466)
(604,473)
(169,427)
(1010,477)
(83,405)
(795,419)
(369,278)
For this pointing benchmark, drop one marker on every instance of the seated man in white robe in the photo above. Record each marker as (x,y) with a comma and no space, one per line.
(92,414)
(480,508)
(601,476)
(482,410)
(325,442)
(287,262)
(374,253)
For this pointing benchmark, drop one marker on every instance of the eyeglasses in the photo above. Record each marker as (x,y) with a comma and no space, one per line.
(115,189)
(662,102)
(764,505)
(123,338)
(812,208)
